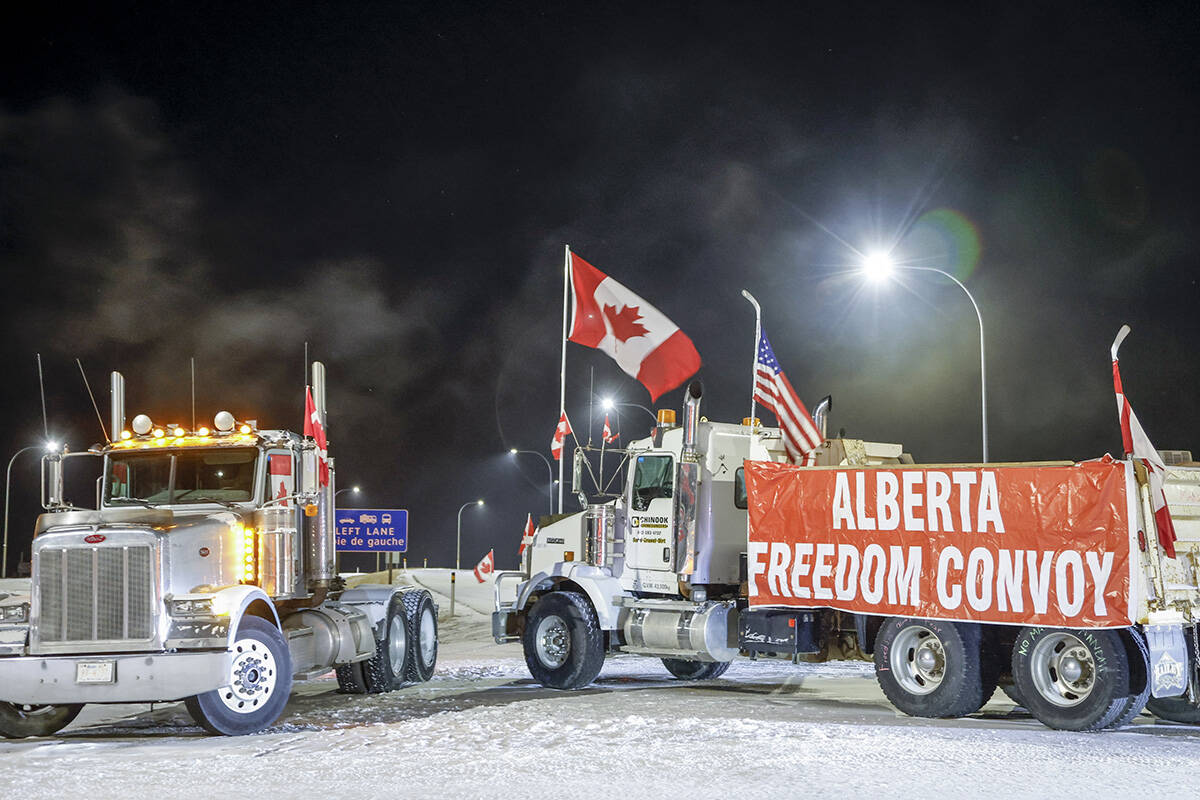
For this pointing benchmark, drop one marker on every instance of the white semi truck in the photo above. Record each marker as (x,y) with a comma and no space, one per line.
(1075,608)
(205,573)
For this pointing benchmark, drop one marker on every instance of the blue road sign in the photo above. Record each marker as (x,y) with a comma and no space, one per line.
(372,530)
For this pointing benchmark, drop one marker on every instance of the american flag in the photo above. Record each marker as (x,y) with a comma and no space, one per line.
(772,389)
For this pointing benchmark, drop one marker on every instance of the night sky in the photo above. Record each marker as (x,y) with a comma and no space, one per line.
(394,184)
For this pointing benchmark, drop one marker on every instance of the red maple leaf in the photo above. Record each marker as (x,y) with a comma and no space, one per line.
(626,323)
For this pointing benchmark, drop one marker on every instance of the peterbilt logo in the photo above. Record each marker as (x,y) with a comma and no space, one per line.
(95,538)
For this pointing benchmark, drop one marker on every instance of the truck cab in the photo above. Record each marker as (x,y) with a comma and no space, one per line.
(206,573)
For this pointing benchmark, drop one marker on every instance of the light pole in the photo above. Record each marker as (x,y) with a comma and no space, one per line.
(458,550)
(549,471)
(49,447)
(879,266)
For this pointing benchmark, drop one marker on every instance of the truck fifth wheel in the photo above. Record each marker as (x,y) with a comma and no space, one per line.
(205,574)
(1048,579)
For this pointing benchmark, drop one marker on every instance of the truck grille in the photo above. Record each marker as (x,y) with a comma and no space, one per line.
(92,594)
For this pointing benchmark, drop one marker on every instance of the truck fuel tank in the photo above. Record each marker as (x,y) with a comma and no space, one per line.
(681,629)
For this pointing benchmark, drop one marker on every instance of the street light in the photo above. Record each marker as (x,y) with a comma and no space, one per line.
(49,447)
(354,489)
(458,540)
(549,471)
(878,267)
(458,550)
(608,404)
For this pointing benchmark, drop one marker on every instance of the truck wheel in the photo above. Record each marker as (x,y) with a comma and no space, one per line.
(18,720)
(1010,689)
(695,670)
(930,668)
(1174,709)
(386,670)
(350,678)
(1139,677)
(563,643)
(421,616)
(260,680)
(1074,680)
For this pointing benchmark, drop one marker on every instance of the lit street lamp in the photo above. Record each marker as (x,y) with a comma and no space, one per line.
(608,404)
(878,267)
(49,447)
(549,471)
(354,489)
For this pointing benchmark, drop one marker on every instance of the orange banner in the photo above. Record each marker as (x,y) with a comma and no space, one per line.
(1020,545)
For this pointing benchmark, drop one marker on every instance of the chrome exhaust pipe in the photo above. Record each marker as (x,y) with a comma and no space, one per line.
(821,415)
(691,419)
(117,415)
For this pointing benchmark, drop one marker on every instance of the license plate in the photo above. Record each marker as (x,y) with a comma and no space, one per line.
(95,671)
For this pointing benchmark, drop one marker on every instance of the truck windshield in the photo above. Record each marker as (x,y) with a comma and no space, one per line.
(188,476)
(652,478)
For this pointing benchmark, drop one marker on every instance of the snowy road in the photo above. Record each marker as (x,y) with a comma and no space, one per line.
(481,728)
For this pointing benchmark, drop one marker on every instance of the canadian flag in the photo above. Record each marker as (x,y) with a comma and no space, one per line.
(313,428)
(609,436)
(643,342)
(1137,443)
(560,435)
(527,537)
(485,567)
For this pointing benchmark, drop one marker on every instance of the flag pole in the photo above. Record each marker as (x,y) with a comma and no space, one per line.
(757,341)
(562,373)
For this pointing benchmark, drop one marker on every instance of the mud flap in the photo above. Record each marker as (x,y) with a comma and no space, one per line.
(1168,660)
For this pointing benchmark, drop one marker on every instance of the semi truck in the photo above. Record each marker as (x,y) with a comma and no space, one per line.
(1046,579)
(205,573)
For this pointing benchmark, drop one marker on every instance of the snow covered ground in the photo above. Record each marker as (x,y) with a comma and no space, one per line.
(482,729)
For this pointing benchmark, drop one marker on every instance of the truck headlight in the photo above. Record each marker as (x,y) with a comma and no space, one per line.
(16,613)
(192,607)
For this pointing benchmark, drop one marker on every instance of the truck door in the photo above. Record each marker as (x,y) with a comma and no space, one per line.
(650,539)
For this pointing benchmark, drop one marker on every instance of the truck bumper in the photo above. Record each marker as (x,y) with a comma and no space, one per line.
(136,678)
(503,629)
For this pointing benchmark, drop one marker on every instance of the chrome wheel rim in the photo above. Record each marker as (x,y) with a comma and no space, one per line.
(253,677)
(397,643)
(1063,669)
(428,636)
(552,641)
(918,660)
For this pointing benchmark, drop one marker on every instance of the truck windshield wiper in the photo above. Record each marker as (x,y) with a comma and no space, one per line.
(139,500)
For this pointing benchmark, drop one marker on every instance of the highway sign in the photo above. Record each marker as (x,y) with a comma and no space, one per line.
(372,530)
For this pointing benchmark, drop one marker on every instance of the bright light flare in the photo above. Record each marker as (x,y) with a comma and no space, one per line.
(878,266)
(607,404)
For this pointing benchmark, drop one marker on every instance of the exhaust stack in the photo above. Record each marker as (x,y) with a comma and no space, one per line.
(689,484)
(821,415)
(117,415)
(319,530)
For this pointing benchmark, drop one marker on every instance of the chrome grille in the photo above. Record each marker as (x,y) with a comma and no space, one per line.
(94,594)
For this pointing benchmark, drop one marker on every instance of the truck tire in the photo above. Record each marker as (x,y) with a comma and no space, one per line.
(388,669)
(1174,709)
(930,668)
(695,670)
(563,643)
(260,680)
(1073,680)
(1139,677)
(18,720)
(421,616)
(350,678)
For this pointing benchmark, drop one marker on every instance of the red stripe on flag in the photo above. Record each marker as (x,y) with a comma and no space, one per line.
(587,325)
(669,364)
